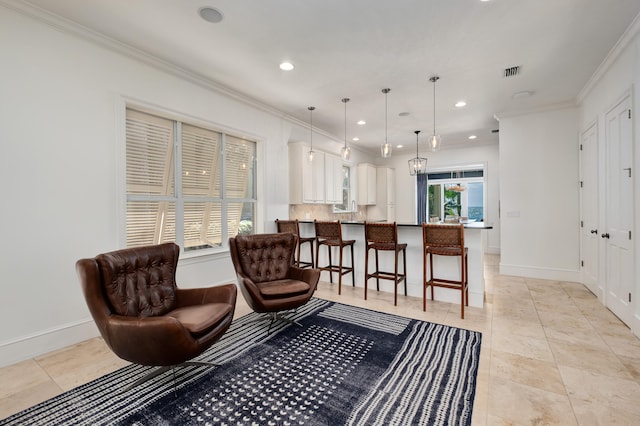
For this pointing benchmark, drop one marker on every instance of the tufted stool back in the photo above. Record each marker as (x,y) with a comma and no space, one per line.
(140,281)
(266,257)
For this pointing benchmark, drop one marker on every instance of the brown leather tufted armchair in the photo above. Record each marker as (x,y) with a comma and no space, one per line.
(142,315)
(269,280)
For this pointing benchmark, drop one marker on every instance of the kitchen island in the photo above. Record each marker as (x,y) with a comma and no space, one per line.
(411,234)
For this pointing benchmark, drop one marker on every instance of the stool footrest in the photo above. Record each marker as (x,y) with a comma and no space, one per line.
(387,276)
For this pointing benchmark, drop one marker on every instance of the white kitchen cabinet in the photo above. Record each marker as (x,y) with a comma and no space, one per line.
(333,179)
(306,179)
(385,208)
(367,186)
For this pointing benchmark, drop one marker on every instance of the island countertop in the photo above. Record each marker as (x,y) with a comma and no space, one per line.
(467,225)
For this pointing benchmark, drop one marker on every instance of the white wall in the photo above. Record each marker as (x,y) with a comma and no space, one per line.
(406,184)
(61,128)
(620,75)
(539,194)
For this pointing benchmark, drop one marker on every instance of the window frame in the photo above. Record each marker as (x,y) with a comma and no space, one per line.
(465,180)
(349,209)
(224,131)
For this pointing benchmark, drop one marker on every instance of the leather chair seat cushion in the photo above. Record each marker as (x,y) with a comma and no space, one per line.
(200,318)
(282,288)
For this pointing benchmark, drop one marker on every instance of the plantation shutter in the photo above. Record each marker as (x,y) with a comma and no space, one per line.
(201,179)
(149,157)
(239,155)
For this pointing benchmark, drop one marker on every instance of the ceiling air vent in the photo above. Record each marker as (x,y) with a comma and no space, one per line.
(512,71)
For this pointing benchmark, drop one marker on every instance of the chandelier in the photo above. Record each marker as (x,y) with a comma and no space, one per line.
(417,165)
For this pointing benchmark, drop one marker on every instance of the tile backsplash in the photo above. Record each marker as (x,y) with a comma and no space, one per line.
(323,212)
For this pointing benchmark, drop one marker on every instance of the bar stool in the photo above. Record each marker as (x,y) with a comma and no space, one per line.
(384,236)
(293,227)
(329,234)
(445,240)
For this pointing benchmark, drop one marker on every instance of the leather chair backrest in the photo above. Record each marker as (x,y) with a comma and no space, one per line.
(140,281)
(265,257)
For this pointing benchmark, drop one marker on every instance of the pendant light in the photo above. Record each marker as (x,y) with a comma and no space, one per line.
(311,153)
(385,148)
(346,151)
(434,141)
(417,165)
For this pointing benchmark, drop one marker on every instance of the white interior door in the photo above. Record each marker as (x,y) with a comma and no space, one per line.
(589,236)
(619,199)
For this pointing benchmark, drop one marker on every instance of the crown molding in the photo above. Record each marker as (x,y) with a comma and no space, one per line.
(546,108)
(68,26)
(623,42)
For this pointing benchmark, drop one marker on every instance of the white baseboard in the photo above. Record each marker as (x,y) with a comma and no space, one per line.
(540,273)
(31,346)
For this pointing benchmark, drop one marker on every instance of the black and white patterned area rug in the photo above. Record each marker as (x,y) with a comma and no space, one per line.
(345,365)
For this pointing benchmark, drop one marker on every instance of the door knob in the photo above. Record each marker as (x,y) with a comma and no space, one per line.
(594,231)
(605,236)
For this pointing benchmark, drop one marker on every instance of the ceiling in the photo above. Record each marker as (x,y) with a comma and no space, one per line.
(356,48)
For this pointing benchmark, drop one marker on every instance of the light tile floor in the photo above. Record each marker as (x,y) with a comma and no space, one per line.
(551,354)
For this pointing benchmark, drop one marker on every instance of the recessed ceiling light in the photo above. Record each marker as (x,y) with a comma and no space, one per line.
(472,137)
(362,122)
(210,14)
(484,0)
(286,66)
(523,94)
(399,146)
(356,139)
(460,104)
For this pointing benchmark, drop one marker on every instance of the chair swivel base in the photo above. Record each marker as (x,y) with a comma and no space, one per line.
(160,370)
(273,317)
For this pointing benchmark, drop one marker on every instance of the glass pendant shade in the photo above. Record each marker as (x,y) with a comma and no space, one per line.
(310,156)
(346,152)
(417,165)
(385,150)
(434,142)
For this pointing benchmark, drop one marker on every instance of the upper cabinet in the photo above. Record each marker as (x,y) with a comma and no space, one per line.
(333,179)
(385,208)
(367,184)
(315,182)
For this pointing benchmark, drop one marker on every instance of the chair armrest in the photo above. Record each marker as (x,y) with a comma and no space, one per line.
(309,276)
(226,293)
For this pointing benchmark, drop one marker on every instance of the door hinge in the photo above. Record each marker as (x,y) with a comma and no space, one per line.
(629,113)
(629,297)
(581,184)
(581,224)
(580,147)
(582,263)
(629,234)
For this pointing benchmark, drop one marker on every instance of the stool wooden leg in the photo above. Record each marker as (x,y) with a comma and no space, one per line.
(424,281)
(366,271)
(340,273)
(353,269)
(404,269)
(330,266)
(395,280)
(377,272)
(313,265)
(431,274)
